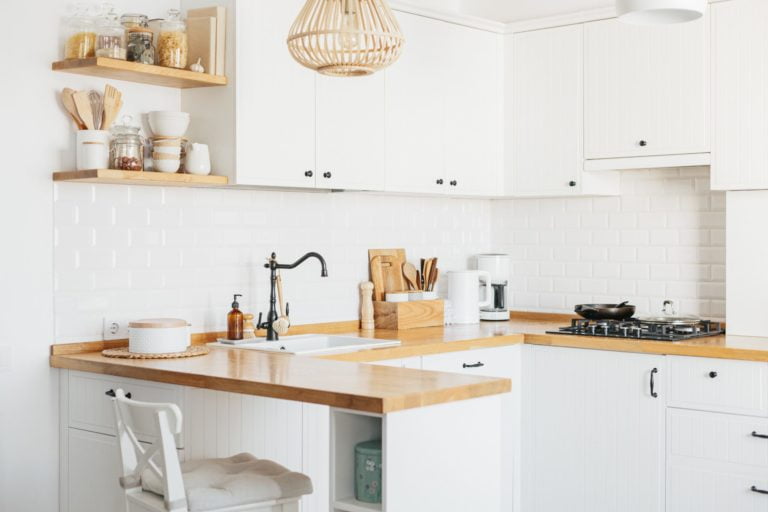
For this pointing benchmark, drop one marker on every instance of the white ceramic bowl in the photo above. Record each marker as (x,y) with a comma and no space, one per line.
(168,150)
(167,165)
(168,124)
(158,336)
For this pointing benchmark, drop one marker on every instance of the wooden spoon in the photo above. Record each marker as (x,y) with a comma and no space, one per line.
(433,279)
(83,104)
(411,276)
(69,106)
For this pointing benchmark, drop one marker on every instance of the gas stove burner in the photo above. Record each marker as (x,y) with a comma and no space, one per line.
(655,328)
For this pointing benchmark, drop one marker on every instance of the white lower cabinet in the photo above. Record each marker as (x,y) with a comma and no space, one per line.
(90,473)
(593,432)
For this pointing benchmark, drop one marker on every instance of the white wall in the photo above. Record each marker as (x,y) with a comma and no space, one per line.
(36,139)
(663,238)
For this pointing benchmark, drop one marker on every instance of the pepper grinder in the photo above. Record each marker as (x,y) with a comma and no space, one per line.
(366,306)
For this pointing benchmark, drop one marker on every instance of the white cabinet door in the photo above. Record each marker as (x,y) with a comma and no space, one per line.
(594,434)
(93,469)
(350,133)
(495,362)
(740,95)
(473,111)
(415,116)
(545,156)
(646,89)
(275,100)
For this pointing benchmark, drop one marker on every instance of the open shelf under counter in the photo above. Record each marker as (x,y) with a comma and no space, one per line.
(158,179)
(137,72)
(353,505)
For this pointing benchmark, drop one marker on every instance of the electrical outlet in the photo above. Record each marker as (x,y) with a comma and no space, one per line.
(114,328)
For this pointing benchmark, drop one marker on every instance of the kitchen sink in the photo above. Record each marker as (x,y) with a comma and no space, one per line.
(314,344)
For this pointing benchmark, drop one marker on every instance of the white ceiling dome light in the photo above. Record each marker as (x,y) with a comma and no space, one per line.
(659,12)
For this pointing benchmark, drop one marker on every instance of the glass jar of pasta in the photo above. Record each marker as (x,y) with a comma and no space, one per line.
(172,44)
(80,34)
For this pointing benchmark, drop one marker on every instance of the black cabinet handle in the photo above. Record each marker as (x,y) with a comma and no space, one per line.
(571,183)
(454,183)
(327,175)
(643,143)
(476,365)
(712,375)
(309,174)
(111,393)
(440,181)
(759,491)
(654,394)
(761,436)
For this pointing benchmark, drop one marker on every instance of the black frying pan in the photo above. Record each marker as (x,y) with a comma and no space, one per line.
(605,311)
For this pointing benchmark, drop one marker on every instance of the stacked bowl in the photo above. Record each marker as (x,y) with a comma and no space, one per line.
(169,128)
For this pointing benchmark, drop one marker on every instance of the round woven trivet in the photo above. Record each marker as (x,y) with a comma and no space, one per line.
(192,351)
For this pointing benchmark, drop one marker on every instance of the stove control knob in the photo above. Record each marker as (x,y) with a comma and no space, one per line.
(712,375)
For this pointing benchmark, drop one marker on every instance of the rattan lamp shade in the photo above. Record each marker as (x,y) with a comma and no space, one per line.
(345,37)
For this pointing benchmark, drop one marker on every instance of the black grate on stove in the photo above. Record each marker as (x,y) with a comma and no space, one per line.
(636,329)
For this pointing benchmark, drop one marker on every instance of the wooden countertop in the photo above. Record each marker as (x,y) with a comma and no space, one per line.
(338,381)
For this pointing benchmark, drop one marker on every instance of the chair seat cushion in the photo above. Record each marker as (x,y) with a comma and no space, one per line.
(239,480)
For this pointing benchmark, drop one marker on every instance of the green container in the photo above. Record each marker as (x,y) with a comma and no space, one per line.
(368,472)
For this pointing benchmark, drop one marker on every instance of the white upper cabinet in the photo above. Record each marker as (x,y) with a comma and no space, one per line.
(545,116)
(350,132)
(646,92)
(443,110)
(740,95)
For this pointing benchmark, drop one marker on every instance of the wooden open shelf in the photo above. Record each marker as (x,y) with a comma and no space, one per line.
(161,179)
(136,72)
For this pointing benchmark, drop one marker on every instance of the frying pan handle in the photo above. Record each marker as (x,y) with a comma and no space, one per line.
(488,289)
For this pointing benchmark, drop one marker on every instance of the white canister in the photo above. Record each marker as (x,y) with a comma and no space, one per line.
(158,336)
(198,160)
(92,149)
(464,294)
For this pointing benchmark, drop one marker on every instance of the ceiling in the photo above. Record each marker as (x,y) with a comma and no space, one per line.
(513,10)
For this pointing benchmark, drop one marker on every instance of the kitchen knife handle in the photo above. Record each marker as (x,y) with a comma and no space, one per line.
(654,394)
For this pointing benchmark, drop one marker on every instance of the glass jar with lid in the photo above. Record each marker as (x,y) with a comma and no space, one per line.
(133,20)
(140,47)
(110,35)
(172,44)
(126,151)
(80,33)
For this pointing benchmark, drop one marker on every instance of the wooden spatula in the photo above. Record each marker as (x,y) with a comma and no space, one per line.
(112,104)
(83,104)
(69,105)
(411,275)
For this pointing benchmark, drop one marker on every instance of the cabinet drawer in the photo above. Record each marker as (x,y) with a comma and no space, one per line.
(90,409)
(693,487)
(716,437)
(737,387)
(488,362)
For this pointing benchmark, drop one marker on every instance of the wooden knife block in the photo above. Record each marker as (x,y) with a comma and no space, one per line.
(409,315)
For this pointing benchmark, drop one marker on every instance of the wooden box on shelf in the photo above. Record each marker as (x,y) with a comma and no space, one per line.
(408,315)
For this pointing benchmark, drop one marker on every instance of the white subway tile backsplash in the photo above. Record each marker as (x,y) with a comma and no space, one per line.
(142,251)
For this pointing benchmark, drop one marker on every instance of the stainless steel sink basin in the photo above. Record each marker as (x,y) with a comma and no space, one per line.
(314,344)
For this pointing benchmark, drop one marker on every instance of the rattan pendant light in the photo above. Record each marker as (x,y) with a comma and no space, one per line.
(345,37)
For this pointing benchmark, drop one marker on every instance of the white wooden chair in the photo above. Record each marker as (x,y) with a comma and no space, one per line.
(155,481)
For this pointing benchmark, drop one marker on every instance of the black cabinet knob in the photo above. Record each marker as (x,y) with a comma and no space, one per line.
(712,375)
(327,175)
(440,181)
(309,174)
(454,183)
(571,183)
(643,143)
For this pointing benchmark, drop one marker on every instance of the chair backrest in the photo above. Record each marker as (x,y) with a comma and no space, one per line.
(159,458)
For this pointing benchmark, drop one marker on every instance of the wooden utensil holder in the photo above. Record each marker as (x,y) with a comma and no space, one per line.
(408,315)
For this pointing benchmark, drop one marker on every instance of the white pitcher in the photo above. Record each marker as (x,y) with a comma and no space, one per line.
(464,294)
(198,160)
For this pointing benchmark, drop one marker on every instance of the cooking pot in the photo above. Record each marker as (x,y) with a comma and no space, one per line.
(605,311)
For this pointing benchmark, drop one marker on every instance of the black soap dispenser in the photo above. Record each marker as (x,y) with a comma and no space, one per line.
(235,321)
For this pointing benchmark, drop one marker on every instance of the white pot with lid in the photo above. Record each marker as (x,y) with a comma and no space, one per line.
(158,336)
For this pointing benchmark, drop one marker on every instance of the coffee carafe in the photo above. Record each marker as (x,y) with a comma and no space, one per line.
(497,266)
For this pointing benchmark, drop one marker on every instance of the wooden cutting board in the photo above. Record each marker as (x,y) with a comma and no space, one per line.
(386,266)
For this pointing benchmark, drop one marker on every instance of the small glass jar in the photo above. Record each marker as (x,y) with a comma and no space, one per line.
(133,20)
(140,48)
(126,152)
(172,44)
(110,36)
(80,33)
